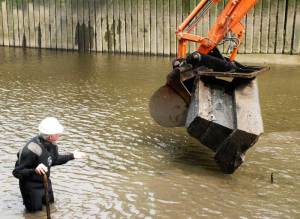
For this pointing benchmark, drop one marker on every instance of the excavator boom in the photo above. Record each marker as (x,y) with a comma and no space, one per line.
(214,97)
(229,21)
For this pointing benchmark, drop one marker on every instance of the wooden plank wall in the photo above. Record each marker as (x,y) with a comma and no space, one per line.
(139,26)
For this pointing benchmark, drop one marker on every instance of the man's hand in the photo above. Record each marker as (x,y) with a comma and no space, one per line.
(41,169)
(79,155)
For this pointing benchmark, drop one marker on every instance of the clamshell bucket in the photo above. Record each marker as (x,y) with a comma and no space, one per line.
(220,109)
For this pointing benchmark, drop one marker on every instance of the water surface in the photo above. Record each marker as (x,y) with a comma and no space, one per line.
(137,169)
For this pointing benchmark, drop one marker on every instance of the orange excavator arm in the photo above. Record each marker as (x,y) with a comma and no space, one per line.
(223,114)
(229,21)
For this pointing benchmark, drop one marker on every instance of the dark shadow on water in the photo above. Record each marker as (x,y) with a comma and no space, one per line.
(193,159)
(184,152)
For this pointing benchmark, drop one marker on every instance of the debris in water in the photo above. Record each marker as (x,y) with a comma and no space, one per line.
(272,178)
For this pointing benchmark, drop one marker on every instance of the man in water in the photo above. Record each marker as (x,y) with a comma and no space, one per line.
(36,159)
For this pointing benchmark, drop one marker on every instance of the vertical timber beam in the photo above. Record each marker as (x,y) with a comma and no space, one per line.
(122,26)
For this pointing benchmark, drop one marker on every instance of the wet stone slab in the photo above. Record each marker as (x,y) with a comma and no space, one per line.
(225,116)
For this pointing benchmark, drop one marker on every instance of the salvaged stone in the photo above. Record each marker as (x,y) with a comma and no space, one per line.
(225,116)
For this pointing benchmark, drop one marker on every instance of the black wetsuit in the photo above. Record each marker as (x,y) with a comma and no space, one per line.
(36,151)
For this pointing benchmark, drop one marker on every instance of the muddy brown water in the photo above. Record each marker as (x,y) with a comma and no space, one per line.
(137,169)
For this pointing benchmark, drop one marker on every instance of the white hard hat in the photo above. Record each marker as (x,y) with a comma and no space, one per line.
(50,126)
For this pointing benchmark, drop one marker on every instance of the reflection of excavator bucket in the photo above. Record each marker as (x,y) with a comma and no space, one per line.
(214,97)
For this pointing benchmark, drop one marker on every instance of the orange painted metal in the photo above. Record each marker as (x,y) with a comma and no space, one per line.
(196,10)
(228,21)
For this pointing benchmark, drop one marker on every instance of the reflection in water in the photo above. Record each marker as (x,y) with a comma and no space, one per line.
(136,168)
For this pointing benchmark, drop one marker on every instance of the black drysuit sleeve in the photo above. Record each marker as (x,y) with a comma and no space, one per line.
(61,158)
(24,165)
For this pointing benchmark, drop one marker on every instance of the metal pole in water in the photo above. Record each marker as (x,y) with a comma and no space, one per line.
(45,180)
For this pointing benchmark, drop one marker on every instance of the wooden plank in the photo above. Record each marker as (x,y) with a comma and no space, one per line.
(134,25)
(5,24)
(74,23)
(185,13)
(249,31)
(1,26)
(265,26)
(296,39)
(128,26)
(173,48)
(98,29)
(123,26)
(69,23)
(10,23)
(110,26)
(116,25)
(242,47)
(36,17)
(92,24)
(199,28)
(58,24)
(257,27)
(289,26)
(206,24)
(192,45)
(20,22)
(220,7)
(16,22)
(147,27)
(203,25)
(140,31)
(153,27)
(213,15)
(179,19)
(166,27)
(86,32)
(8,19)
(53,15)
(196,45)
(272,28)
(85,27)
(64,28)
(42,23)
(47,24)
(105,32)
(79,27)
(280,26)
(37,30)
(26,36)
(31,25)
(160,27)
